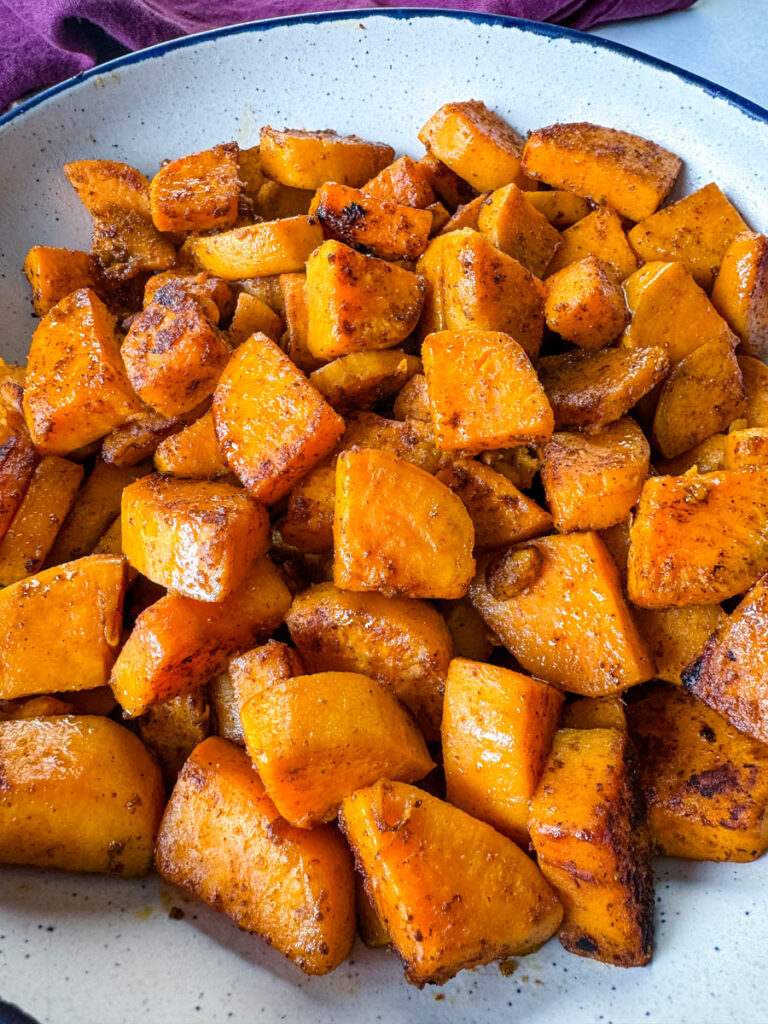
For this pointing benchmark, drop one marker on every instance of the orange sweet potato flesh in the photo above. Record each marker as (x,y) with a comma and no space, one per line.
(380,226)
(609,166)
(222,839)
(601,234)
(308,159)
(258,669)
(54,273)
(572,626)
(213,294)
(197,192)
(677,636)
(253,316)
(139,437)
(259,250)
(588,828)
(562,209)
(594,713)
(316,739)
(740,293)
(404,182)
(517,228)
(359,380)
(483,392)
(452,892)
(746,448)
(295,315)
(448,186)
(706,457)
(754,375)
(498,726)
(192,452)
(178,643)
(412,402)
(18,460)
(271,424)
(419,544)
(466,215)
(585,304)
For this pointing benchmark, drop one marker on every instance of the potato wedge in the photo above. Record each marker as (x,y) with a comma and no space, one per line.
(308,159)
(197,192)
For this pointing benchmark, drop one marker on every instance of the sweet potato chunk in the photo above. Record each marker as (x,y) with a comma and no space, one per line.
(294,340)
(676,636)
(695,231)
(262,667)
(192,452)
(740,293)
(18,460)
(60,629)
(223,839)
(475,143)
(357,302)
(55,273)
(361,379)
(598,234)
(76,388)
(309,159)
(595,713)
(588,828)
(80,793)
(746,448)
(448,186)
(412,402)
(562,209)
(404,182)
(452,891)
(421,547)
(197,192)
(518,229)
(498,726)
(139,437)
(466,216)
(271,424)
(224,709)
(585,304)
(698,538)
(253,316)
(179,643)
(258,250)
(471,637)
(404,644)
(706,785)
(34,707)
(483,392)
(754,375)
(173,729)
(378,226)
(592,481)
(707,457)
(370,926)
(195,537)
(213,294)
(571,626)
(609,166)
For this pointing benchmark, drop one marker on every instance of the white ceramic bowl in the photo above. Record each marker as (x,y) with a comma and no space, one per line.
(103,951)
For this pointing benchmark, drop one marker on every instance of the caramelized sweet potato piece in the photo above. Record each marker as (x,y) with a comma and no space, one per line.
(594,713)
(308,159)
(213,294)
(412,402)
(34,707)
(377,226)
(197,192)
(370,926)
(18,460)
(258,250)
(173,729)
(676,636)
(517,228)
(262,667)
(745,448)
(111,541)
(448,186)
(275,201)
(54,273)
(451,891)
(471,637)
(562,209)
(361,379)
(404,182)
(192,452)
(740,293)
(223,839)
(253,316)
(294,340)
(466,216)
(585,304)
(599,234)
(224,709)
(754,375)
(706,457)
(142,433)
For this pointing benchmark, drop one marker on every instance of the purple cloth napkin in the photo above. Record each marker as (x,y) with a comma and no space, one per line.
(45,41)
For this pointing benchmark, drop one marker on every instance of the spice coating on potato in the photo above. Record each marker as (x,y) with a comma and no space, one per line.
(261,667)
(197,192)
(308,159)
(259,250)
(173,729)
(677,636)
(585,304)
(213,294)
(139,437)
(193,452)
(594,713)
(55,273)
(404,182)
(740,293)
(518,229)
(562,209)
(746,448)
(600,234)
(253,316)
(373,225)
(361,379)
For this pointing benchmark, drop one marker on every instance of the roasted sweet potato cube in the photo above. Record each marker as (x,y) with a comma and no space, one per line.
(275,201)
(740,293)
(178,643)
(448,186)
(599,234)
(195,537)
(18,460)
(412,402)
(271,424)
(475,143)
(562,209)
(192,452)
(609,166)
(754,375)
(518,229)
(593,480)
(80,793)
(34,707)
(76,389)
(378,226)
(259,250)
(589,831)
(197,192)
(308,159)
(111,541)
(707,457)
(357,302)
(55,273)
(361,379)
(404,182)
(698,538)
(370,926)
(60,629)
(249,170)
(141,434)
(294,340)
(471,637)
(452,891)
(483,392)
(339,631)
(498,726)
(746,448)
(590,389)
(585,304)
(676,636)
(594,713)
(223,839)
(253,316)
(261,667)
(695,231)
(466,216)
(173,729)
(224,709)
(267,289)
(421,548)
(571,626)
(213,294)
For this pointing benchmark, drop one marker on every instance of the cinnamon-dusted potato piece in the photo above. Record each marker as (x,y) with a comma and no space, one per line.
(55,273)
(223,839)
(594,713)
(754,375)
(421,548)
(452,892)
(593,480)
(412,402)
(378,226)
(745,448)
(316,739)
(357,303)
(498,726)
(562,209)
(111,541)
(195,537)
(370,926)
(740,292)
(707,457)
(253,316)
(677,636)
(449,187)
(60,629)
(178,643)
(294,340)
(259,250)
(224,709)
(571,626)
(466,215)
(361,379)
(76,389)
(475,143)
(404,182)
(609,166)
(213,294)
(599,234)
(483,392)
(197,192)
(271,424)
(18,461)
(192,452)
(34,707)
(275,201)
(173,729)
(698,538)
(402,643)
(139,437)
(471,637)
(261,667)
(308,159)
(585,303)
(706,784)
(517,228)
(589,831)
(80,793)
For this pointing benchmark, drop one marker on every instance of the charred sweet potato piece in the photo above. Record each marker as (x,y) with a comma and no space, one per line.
(677,636)
(740,293)
(599,234)
(197,192)
(698,538)
(571,626)
(60,629)
(707,457)
(378,226)
(213,294)
(412,402)
(448,186)
(173,729)
(253,316)
(695,231)
(404,182)
(517,228)
(609,166)
(589,831)
(498,726)
(258,250)
(746,448)
(76,389)
(361,379)
(139,437)
(422,547)
(402,643)
(308,159)
(271,424)
(562,209)
(594,713)
(192,452)
(55,273)
(223,839)
(179,643)
(585,304)
(452,892)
